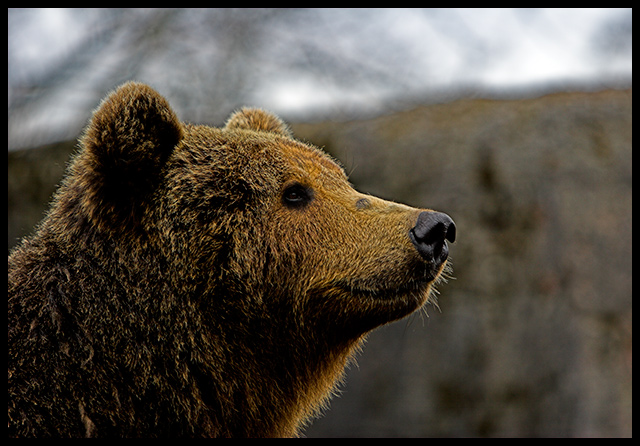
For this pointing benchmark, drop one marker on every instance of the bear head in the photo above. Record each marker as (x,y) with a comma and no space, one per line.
(231,270)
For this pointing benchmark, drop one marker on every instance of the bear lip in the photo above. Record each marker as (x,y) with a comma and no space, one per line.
(416,279)
(362,288)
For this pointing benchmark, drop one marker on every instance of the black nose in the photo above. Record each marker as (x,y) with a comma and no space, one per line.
(430,235)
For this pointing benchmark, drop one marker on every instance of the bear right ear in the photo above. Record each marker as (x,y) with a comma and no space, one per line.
(130,137)
(258,120)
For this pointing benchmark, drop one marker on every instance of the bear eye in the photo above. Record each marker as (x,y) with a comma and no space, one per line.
(297,196)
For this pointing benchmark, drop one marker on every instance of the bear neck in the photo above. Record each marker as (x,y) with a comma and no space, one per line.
(281,375)
(244,371)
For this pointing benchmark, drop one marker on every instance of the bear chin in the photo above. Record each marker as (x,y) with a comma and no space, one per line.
(416,281)
(401,299)
(378,304)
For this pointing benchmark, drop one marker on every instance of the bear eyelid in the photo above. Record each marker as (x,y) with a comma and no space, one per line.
(297,195)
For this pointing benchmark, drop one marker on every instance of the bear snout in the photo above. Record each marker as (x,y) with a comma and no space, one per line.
(430,235)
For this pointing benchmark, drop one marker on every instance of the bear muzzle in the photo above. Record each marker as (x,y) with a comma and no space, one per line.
(430,235)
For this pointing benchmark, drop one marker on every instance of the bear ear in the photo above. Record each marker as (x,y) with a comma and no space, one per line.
(258,120)
(130,137)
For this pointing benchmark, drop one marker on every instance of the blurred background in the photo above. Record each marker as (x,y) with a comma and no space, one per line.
(516,122)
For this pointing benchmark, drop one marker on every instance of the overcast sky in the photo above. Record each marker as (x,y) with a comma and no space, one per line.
(297,61)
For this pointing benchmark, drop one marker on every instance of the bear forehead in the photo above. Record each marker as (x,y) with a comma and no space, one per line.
(250,150)
(309,163)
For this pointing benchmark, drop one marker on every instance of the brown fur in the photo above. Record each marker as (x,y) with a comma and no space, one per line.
(196,281)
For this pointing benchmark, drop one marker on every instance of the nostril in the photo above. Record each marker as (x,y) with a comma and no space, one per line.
(451,232)
(430,234)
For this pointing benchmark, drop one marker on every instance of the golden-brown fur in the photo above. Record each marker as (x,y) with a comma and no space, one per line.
(199,281)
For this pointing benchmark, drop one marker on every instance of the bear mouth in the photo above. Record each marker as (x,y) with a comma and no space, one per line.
(414,288)
(371,306)
(415,284)
(359,304)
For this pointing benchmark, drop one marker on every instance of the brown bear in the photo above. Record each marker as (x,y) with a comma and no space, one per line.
(199,281)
